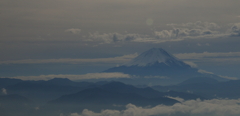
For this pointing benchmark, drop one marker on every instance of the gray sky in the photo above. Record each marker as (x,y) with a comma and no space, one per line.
(76,37)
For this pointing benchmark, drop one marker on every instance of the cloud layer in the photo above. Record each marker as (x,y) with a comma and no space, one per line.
(120,59)
(179,32)
(74,77)
(230,57)
(214,107)
(193,57)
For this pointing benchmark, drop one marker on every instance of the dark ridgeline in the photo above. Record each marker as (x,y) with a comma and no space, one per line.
(109,95)
(26,96)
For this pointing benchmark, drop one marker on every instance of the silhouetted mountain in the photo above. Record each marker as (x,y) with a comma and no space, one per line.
(44,91)
(206,89)
(97,99)
(147,91)
(4,82)
(104,97)
(123,88)
(67,82)
(14,98)
(115,95)
(13,104)
(114,91)
(200,80)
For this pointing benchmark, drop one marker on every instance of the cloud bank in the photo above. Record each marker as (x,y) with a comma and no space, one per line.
(179,32)
(226,77)
(74,77)
(194,57)
(214,107)
(119,59)
(220,57)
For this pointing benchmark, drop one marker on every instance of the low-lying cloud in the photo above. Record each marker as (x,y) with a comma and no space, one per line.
(214,107)
(75,77)
(4,91)
(119,59)
(189,58)
(220,57)
(226,77)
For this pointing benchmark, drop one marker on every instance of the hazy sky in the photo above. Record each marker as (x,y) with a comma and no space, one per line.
(73,37)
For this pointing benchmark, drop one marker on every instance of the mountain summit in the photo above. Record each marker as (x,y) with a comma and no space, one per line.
(158,66)
(154,62)
(154,55)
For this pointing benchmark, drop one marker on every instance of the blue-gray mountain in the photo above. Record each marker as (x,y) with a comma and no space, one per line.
(157,63)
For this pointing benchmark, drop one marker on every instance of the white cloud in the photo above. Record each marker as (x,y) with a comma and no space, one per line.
(75,77)
(204,71)
(4,91)
(198,25)
(214,107)
(190,31)
(114,37)
(166,34)
(176,98)
(226,77)
(179,32)
(215,56)
(192,64)
(120,59)
(230,78)
(235,29)
(73,30)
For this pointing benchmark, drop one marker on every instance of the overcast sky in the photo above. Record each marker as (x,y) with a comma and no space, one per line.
(76,37)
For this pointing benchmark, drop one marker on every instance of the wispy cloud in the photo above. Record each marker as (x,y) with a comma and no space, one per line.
(75,77)
(226,77)
(73,30)
(208,56)
(214,107)
(120,59)
(192,64)
(4,91)
(179,32)
(204,71)
(114,37)
(189,58)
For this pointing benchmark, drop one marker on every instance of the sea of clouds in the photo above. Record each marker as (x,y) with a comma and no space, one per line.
(214,107)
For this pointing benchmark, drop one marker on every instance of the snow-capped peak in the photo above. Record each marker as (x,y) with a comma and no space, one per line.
(152,56)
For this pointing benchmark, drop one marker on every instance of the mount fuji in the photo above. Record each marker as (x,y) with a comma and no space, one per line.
(158,65)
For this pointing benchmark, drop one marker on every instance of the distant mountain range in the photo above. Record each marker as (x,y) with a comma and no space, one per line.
(116,95)
(157,63)
(207,87)
(13,104)
(49,97)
